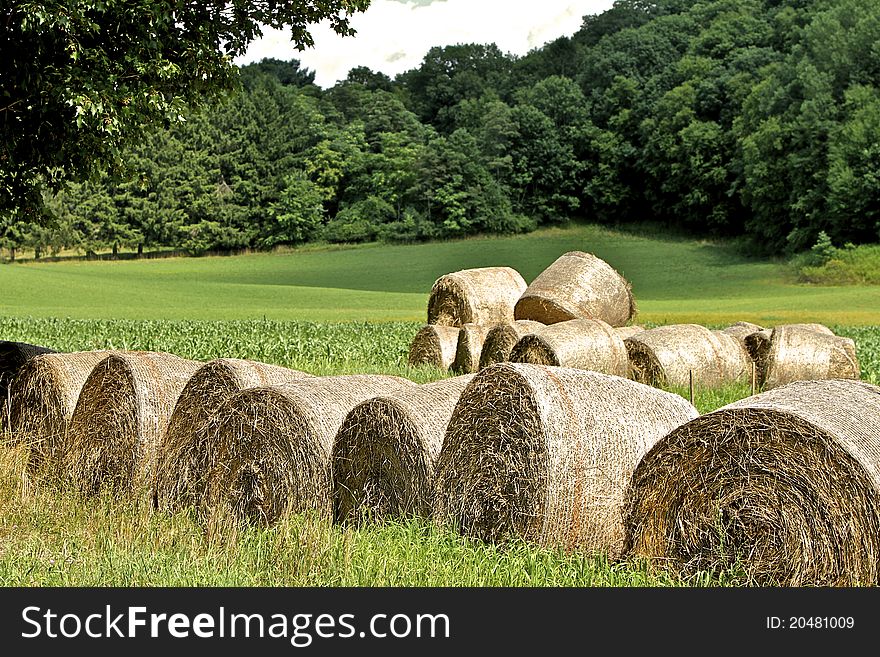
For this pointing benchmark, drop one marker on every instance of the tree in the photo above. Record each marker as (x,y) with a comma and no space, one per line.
(81,79)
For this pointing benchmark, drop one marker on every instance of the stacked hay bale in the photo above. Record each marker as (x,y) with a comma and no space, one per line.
(501,339)
(272,445)
(784,484)
(386,450)
(185,453)
(41,402)
(545,454)
(577,285)
(668,355)
(484,296)
(14,356)
(434,345)
(588,344)
(120,418)
(469,348)
(628,331)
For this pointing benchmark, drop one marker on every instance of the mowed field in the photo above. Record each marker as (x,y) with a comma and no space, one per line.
(674,280)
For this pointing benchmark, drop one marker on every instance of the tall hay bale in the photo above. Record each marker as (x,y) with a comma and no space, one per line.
(120,418)
(587,344)
(667,354)
(386,451)
(434,345)
(801,354)
(545,454)
(784,484)
(41,402)
(628,331)
(185,453)
(578,285)
(469,348)
(501,339)
(273,445)
(485,295)
(14,356)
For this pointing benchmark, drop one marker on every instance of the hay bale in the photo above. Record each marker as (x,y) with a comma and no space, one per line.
(41,402)
(475,296)
(386,450)
(120,418)
(14,356)
(184,454)
(801,354)
(628,331)
(784,484)
(501,339)
(742,330)
(434,345)
(273,445)
(665,356)
(545,454)
(469,348)
(587,344)
(578,285)
(758,343)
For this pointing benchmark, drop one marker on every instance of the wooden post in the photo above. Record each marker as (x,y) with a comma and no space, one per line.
(754,377)
(691,384)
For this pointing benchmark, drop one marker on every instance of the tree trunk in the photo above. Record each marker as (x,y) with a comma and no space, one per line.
(140,250)
(115,251)
(38,252)
(12,253)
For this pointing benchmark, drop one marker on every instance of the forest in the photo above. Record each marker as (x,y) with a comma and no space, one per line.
(750,118)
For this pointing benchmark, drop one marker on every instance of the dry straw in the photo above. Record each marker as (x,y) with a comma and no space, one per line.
(475,296)
(501,339)
(801,354)
(273,445)
(628,331)
(120,419)
(14,356)
(185,453)
(386,451)
(667,355)
(469,348)
(578,285)
(434,345)
(587,344)
(545,454)
(41,402)
(784,485)
(742,330)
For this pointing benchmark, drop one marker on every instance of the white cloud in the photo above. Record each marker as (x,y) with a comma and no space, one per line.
(394,35)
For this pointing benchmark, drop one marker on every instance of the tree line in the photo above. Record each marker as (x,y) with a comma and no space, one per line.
(758,118)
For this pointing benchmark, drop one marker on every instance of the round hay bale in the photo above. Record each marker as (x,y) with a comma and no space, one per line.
(741,330)
(386,450)
(41,402)
(628,331)
(784,484)
(578,285)
(475,296)
(587,344)
(665,356)
(273,445)
(434,345)
(14,356)
(545,454)
(469,348)
(758,343)
(120,418)
(801,354)
(501,339)
(185,453)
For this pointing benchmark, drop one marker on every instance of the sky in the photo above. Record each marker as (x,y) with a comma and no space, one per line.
(394,35)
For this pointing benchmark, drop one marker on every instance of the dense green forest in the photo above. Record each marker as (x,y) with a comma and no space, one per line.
(730,117)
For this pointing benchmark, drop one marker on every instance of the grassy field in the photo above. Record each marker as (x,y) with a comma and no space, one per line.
(674,280)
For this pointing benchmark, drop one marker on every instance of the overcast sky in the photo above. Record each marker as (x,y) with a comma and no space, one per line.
(394,35)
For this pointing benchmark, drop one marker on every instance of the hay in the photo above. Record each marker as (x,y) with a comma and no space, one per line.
(41,402)
(14,356)
(800,354)
(578,285)
(758,343)
(742,330)
(185,453)
(434,345)
(120,419)
(785,485)
(628,331)
(587,344)
(475,296)
(273,445)
(666,355)
(386,450)
(501,339)
(469,348)
(545,454)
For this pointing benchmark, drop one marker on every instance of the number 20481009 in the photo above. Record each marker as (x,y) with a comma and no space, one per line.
(811,623)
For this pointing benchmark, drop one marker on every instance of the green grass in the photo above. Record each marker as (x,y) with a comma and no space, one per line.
(674,280)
